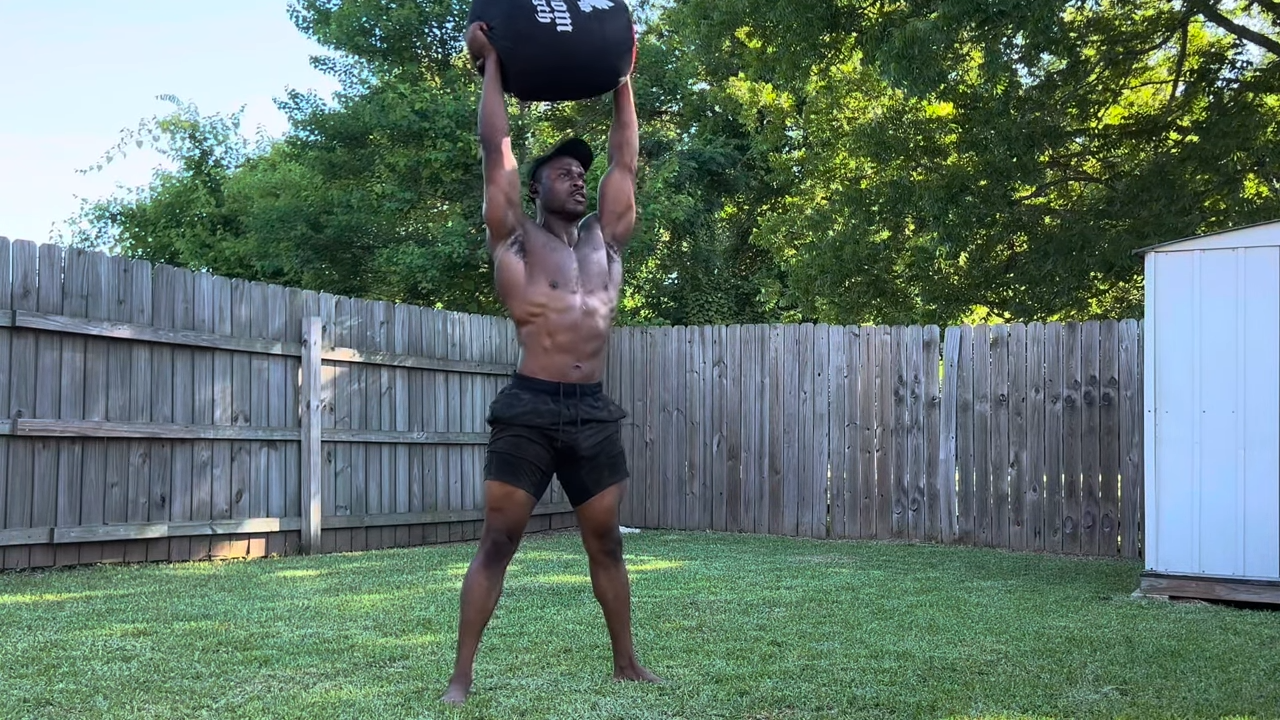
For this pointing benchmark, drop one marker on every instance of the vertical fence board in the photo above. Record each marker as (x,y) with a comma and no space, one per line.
(745,418)
(418,488)
(792,427)
(730,506)
(901,424)
(642,399)
(946,461)
(260,412)
(312,427)
(48,401)
(966,501)
(886,388)
(202,398)
(1033,496)
(778,470)
(932,434)
(459,489)
(1072,419)
(998,509)
(183,483)
(71,469)
(160,308)
(689,371)
(400,406)
(241,399)
(348,414)
(820,471)
(868,431)
(1019,455)
(304,304)
(712,415)
(99,279)
(653,426)
(1054,394)
(1109,438)
(375,378)
(624,380)
(22,400)
(1090,450)
(223,410)
(916,502)
(838,419)
(1130,398)
(803,439)
(434,345)
(144,486)
(852,366)
(278,371)
(760,427)
(983,407)
(723,446)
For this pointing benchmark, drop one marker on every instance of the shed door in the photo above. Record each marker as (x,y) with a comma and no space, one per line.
(1216,339)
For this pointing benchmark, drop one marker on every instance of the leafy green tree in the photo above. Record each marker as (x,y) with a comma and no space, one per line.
(908,161)
(957,159)
(378,193)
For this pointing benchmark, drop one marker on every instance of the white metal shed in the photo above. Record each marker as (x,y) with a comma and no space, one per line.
(1212,416)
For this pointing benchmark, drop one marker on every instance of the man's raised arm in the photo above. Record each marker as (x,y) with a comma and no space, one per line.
(618,186)
(502,209)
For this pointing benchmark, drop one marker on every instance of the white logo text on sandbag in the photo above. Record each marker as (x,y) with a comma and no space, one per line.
(555,11)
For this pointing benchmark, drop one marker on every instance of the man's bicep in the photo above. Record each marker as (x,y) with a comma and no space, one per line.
(617,205)
(502,209)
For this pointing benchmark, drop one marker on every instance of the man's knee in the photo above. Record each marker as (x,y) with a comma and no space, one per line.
(497,547)
(604,545)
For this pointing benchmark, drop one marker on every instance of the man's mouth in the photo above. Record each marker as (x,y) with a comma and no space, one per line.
(580,196)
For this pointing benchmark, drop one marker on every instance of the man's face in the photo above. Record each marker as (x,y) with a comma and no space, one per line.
(562,188)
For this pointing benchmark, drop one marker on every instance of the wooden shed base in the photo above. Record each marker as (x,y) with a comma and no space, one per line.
(1209,588)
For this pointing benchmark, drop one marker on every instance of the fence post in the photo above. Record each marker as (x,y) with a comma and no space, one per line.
(312,334)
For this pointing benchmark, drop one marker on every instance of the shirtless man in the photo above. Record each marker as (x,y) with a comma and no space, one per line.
(558,277)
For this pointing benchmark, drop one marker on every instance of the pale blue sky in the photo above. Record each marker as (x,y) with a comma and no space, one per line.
(75,73)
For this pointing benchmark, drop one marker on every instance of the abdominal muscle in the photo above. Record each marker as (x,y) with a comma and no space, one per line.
(565,335)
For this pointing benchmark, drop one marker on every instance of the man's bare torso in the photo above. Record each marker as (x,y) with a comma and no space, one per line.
(562,299)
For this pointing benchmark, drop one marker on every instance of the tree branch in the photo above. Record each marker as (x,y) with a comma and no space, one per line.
(1044,189)
(1182,62)
(1209,11)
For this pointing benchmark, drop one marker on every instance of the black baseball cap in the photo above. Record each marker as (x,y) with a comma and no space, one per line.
(575,148)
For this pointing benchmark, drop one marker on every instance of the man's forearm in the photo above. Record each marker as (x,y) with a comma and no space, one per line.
(494,128)
(624,140)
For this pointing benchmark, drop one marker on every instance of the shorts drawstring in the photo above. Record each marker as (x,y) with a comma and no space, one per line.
(577,391)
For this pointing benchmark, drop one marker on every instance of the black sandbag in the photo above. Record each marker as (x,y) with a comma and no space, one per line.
(559,50)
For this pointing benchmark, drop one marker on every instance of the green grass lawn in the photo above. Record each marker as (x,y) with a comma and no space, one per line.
(740,627)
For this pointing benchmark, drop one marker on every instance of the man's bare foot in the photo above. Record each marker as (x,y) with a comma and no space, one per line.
(634,673)
(457,692)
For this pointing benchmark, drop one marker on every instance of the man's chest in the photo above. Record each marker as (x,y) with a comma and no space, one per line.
(587,268)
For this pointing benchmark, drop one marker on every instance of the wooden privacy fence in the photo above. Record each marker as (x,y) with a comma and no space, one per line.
(1016,436)
(160,414)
